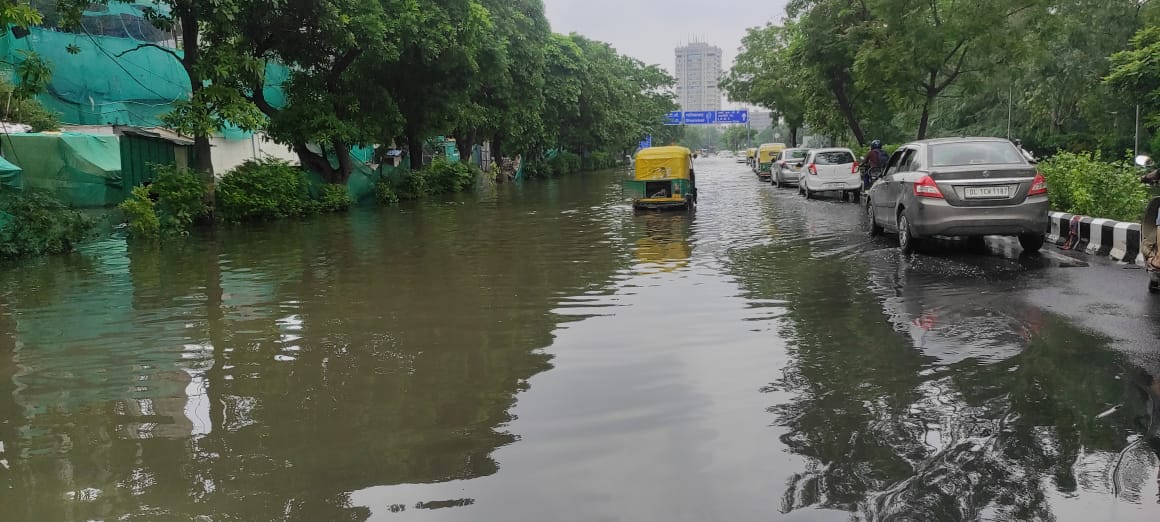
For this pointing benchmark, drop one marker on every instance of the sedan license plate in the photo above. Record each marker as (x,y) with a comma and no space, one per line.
(1001,191)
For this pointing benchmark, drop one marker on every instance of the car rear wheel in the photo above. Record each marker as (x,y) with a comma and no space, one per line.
(875,228)
(906,241)
(1031,243)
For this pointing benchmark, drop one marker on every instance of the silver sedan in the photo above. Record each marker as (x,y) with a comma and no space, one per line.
(787,167)
(970,187)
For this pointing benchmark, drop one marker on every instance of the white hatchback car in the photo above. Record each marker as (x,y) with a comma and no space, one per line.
(831,170)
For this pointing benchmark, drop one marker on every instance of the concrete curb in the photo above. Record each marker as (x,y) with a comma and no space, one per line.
(1100,237)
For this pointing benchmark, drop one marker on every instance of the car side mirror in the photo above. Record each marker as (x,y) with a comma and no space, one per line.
(1143,161)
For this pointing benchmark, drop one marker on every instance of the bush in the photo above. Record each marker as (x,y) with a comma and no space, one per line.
(1084,184)
(180,199)
(262,190)
(141,213)
(444,176)
(334,198)
(35,224)
(564,163)
(411,184)
(385,193)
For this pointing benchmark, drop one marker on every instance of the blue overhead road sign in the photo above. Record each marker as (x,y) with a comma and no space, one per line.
(741,116)
(673,118)
(700,118)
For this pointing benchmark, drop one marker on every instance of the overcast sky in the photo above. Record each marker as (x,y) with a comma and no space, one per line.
(649,30)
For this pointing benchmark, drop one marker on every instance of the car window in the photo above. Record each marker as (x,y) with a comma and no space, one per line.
(839,157)
(910,161)
(896,160)
(974,153)
(798,154)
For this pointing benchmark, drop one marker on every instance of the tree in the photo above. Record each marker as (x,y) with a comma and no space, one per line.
(942,41)
(509,92)
(764,75)
(824,39)
(209,106)
(328,51)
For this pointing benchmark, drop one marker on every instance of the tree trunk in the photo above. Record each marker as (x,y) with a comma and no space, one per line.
(315,162)
(345,165)
(191,55)
(924,120)
(415,148)
(793,136)
(846,107)
(465,142)
(497,149)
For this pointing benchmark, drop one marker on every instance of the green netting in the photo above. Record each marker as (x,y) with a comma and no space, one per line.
(122,80)
(361,184)
(83,170)
(11,176)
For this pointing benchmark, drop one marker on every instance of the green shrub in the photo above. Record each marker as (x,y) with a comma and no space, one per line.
(180,199)
(564,163)
(262,190)
(141,213)
(35,224)
(449,176)
(385,193)
(1085,184)
(411,184)
(334,198)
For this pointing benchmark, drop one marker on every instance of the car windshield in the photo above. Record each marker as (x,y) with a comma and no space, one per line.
(796,153)
(974,153)
(838,157)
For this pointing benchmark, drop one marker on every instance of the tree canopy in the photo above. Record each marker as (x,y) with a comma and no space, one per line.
(1058,74)
(323,77)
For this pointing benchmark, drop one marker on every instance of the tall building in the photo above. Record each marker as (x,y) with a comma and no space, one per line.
(698,71)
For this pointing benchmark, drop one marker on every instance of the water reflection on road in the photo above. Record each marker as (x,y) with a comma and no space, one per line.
(544,353)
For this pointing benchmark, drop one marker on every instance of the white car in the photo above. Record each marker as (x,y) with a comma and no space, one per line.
(830,170)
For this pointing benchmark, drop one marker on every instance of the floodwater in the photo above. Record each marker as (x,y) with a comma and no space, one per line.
(543,353)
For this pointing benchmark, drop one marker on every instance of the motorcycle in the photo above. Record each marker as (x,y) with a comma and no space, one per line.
(1148,235)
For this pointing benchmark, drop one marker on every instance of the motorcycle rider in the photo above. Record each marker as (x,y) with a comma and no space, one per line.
(875,163)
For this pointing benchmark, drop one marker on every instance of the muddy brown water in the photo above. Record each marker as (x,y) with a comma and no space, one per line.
(542,352)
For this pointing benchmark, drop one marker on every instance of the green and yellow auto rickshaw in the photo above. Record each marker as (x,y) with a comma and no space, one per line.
(751,157)
(663,179)
(766,153)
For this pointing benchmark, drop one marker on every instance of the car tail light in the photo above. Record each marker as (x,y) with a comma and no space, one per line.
(782,164)
(926,188)
(1039,186)
(854,168)
(813,169)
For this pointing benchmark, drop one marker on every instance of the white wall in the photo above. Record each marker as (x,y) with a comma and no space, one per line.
(227,154)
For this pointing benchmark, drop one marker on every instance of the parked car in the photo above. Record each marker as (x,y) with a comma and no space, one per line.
(788,165)
(970,187)
(830,170)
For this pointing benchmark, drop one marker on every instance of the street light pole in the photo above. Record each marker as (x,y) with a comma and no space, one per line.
(1137,147)
(1010,107)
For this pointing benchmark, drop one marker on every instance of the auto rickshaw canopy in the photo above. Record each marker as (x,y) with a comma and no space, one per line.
(659,163)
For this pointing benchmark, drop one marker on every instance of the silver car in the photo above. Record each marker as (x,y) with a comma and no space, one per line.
(970,187)
(787,167)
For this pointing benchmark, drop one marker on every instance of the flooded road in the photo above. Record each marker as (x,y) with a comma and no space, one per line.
(543,353)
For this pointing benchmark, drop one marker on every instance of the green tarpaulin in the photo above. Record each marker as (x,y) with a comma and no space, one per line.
(10,176)
(82,170)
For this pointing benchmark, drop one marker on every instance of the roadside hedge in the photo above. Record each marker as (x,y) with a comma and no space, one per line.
(1086,184)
